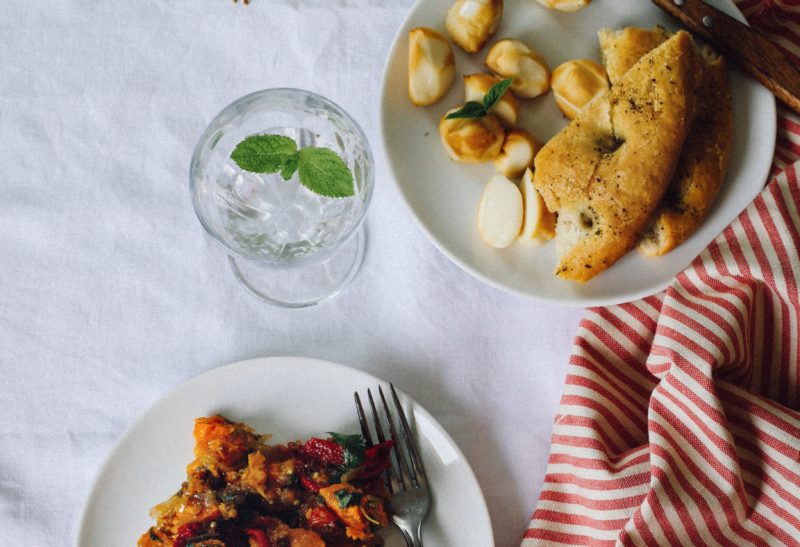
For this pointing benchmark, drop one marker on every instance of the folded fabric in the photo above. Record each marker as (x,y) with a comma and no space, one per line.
(679,422)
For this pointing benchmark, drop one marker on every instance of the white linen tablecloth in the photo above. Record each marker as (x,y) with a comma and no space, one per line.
(111,294)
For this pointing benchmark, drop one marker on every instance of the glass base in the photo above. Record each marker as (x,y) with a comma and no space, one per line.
(306,285)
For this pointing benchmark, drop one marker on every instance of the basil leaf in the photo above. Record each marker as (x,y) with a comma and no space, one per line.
(263,153)
(471,110)
(347,440)
(354,447)
(346,498)
(495,93)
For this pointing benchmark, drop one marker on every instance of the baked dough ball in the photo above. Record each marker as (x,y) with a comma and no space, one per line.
(477,85)
(576,83)
(471,140)
(704,160)
(470,23)
(431,66)
(513,59)
(565,5)
(606,172)
(516,155)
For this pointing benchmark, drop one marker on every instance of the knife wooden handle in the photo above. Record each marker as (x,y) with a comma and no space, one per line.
(739,43)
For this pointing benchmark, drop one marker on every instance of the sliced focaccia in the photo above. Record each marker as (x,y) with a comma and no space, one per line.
(606,172)
(622,48)
(704,160)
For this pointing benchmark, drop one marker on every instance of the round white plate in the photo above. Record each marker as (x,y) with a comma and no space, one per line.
(443,195)
(292,398)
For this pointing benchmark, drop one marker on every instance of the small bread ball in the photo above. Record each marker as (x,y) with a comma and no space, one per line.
(576,83)
(431,66)
(476,86)
(470,23)
(472,140)
(517,153)
(513,59)
(565,5)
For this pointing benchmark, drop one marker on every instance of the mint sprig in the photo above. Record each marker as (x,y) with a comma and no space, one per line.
(477,110)
(321,170)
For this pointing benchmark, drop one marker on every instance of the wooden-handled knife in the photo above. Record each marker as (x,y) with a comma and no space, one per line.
(740,44)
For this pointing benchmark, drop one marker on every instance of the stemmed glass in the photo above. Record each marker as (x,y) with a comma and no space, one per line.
(286,244)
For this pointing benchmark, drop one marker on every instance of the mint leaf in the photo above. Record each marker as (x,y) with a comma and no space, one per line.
(471,110)
(495,93)
(263,153)
(289,166)
(322,171)
(354,447)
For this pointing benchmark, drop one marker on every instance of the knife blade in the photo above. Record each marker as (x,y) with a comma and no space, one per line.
(754,53)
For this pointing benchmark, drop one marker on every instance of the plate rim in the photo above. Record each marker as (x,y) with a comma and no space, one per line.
(574,302)
(265,362)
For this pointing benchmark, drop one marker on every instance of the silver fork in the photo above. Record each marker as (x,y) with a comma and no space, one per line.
(411,498)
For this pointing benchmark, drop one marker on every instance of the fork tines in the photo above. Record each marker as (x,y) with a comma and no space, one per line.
(405,467)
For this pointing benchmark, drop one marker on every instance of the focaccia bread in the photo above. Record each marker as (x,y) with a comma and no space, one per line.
(704,161)
(622,48)
(606,172)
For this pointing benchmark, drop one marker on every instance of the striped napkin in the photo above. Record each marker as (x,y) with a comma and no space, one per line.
(680,418)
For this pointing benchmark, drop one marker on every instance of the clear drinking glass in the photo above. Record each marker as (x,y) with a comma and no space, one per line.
(286,244)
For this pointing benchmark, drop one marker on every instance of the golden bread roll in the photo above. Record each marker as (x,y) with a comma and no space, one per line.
(431,66)
(470,23)
(516,155)
(576,83)
(477,85)
(513,59)
(606,172)
(565,5)
(470,140)
(704,160)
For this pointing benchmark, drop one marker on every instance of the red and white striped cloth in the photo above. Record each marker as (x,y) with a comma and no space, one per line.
(680,418)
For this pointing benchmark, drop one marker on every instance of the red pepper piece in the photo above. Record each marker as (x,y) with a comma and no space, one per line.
(186,532)
(376,459)
(324,450)
(322,520)
(309,485)
(258,536)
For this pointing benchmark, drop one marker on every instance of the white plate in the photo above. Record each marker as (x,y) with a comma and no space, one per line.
(292,398)
(443,195)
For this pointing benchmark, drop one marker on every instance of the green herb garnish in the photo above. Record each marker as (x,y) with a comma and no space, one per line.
(476,110)
(354,447)
(346,498)
(321,170)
